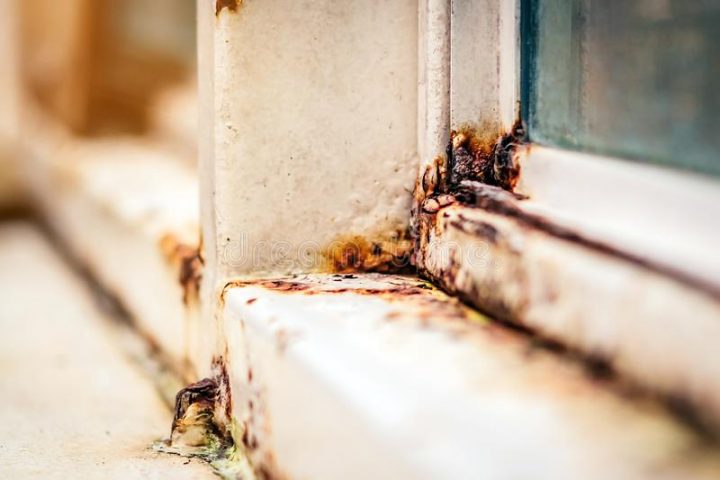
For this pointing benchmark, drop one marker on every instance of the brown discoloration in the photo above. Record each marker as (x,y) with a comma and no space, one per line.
(488,241)
(506,169)
(489,162)
(193,423)
(223,412)
(189,263)
(204,390)
(291,285)
(355,253)
(505,294)
(468,158)
(203,410)
(430,181)
(231,5)
(431,206)
(282,285)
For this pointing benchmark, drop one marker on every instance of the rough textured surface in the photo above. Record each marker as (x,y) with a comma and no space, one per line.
(650,328)
(71,405)
(398,380)
(314,146)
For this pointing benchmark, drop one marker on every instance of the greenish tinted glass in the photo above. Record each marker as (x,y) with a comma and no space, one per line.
(633,78)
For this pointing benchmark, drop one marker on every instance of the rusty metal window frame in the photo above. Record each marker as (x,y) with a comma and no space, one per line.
(660,215)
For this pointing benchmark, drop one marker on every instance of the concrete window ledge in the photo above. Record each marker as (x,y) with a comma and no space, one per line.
(398,380)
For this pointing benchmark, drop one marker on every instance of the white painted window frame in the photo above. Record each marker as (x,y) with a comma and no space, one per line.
(662,216)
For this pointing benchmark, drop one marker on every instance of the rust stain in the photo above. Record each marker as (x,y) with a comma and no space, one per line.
(194,407)
(222,378)
(290,285)
(488,162)
(474,155)
(231,5)
(203,410)
(355,253)
(204,390)
(189,263)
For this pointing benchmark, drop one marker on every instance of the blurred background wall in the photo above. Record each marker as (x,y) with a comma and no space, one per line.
(97,65)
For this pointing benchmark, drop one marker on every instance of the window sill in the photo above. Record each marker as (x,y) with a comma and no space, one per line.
(385,377)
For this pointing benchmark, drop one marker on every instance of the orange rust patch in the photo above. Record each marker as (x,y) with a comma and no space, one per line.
(358,254)
(231,5)
(469,137)
(189,263)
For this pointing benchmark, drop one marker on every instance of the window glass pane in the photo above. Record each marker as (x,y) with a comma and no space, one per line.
(633,78)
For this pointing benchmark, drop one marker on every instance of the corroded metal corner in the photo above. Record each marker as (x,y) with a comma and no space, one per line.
(203,426)
(478,170)
(468,159)
(193,423)
(202,416)
(491,163)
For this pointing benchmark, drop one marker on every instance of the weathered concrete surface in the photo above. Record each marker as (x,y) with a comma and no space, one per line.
(71,404)
(397,380)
